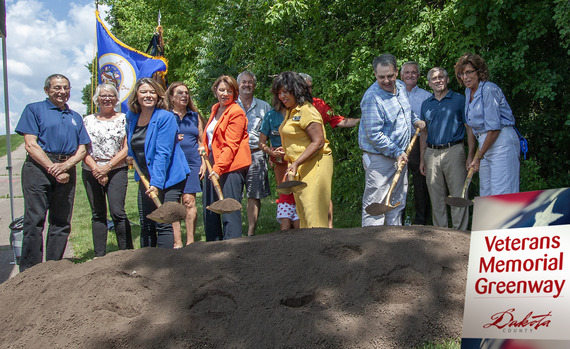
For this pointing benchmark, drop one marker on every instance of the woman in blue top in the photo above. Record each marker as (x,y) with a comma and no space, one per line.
(152,140)
(190,129)
(491,121)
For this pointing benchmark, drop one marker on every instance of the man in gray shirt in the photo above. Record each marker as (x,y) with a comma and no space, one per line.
(256,181)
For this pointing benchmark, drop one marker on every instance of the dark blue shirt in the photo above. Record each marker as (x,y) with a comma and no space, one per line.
(444,119)
(188,127)
(58,131)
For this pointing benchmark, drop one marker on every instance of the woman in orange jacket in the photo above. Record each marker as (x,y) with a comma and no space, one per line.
(226,142)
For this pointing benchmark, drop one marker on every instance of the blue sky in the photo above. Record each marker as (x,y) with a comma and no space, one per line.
(46,37)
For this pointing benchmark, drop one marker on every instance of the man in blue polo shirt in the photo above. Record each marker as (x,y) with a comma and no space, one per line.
(442,158)
(55,139)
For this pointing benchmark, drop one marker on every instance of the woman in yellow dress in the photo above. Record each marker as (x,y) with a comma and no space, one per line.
(306,147)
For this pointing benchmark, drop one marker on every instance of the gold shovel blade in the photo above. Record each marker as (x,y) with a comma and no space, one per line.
(377,209)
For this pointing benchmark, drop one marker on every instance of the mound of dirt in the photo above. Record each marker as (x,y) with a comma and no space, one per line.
(378,287)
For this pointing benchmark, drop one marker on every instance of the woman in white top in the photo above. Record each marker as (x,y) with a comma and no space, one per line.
(105,170)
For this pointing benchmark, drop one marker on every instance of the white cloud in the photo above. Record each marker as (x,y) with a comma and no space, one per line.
(19,68)
(39,44)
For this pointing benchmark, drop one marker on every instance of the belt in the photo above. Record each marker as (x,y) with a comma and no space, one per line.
(485,132)
(58,157)
(444,146)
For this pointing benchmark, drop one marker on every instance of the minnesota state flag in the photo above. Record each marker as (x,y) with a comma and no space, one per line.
(122,65)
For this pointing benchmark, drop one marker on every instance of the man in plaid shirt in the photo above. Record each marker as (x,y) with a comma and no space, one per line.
(383,135)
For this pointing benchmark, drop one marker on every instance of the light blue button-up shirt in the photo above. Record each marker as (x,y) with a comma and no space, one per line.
(417,96)
(387,121)
(488,110)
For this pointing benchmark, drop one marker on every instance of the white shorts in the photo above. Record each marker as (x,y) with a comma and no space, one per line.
(285,210)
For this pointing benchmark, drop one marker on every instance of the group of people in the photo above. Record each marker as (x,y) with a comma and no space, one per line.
(392,109)
(178,154)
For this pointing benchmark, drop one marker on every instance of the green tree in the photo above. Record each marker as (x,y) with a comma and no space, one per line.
(526,44)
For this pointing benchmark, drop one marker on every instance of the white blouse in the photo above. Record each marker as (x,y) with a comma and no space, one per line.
(107,138)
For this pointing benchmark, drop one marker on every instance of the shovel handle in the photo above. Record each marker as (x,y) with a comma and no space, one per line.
(469,176)
(146,184)
(413,141)
(401,167)
(288,176)
(213,178)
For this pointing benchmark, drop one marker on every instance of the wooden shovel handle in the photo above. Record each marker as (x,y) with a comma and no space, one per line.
(288,176)
(413,141)
(469,176)
(146,184)
(213,178)
(401,167)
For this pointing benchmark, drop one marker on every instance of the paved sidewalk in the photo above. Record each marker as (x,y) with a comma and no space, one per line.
(7,266)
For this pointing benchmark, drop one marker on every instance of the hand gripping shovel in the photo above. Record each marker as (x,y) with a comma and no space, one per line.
(376,208)
(170,212)
(289,185)
(463,201)
(221,206)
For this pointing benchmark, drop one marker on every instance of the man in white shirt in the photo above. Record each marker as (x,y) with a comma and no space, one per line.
(410,72)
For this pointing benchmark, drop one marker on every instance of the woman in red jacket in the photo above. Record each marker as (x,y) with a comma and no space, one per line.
(226,142)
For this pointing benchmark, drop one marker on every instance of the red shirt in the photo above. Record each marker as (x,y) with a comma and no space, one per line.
(286,199)
(326,112)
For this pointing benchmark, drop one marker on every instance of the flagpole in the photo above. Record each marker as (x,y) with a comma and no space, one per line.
(94,61)
(7,115)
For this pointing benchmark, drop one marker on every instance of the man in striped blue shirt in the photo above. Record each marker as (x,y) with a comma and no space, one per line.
(383,135)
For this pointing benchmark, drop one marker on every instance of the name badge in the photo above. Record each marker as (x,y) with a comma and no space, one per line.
(296,117)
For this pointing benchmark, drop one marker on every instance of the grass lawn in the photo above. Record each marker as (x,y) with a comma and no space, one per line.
(15,141)
(81,237)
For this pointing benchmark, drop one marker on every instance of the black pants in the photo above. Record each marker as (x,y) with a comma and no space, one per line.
(422,201)
(226,226)
(155,234)
(114,193)
(42,193)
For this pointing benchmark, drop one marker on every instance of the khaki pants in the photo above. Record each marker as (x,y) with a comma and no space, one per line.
(445,173)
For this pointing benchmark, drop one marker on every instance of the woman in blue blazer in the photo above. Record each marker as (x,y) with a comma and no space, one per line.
(152,140)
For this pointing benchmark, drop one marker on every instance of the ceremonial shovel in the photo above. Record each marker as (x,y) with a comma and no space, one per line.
(376,208)
(170,212)
(463,201)
(222,206)
(290,186)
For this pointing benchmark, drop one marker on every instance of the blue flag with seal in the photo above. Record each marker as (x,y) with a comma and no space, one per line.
(121,65)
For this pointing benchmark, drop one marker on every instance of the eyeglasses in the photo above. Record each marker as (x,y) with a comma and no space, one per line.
(107,97)
(466,73)
(182,93)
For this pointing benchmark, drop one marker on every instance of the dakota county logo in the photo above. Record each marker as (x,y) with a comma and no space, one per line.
(117,71)
(506,321)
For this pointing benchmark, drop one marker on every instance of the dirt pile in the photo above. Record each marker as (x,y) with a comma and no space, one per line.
(384,287)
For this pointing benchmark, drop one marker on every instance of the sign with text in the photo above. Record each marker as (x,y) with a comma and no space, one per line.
(518,281)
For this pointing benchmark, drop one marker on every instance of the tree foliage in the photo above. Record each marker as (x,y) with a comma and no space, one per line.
(525,43)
